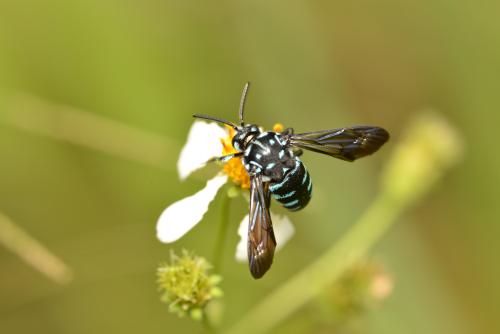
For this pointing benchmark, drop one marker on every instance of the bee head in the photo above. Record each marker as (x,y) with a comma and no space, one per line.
(244,135)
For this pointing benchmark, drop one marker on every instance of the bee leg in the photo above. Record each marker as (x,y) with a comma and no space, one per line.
(297,151)
(226,158)
(287,131)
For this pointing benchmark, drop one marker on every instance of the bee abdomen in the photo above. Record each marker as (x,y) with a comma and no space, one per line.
(295,189)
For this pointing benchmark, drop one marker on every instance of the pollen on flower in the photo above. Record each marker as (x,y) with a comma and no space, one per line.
(278,127)
(234,168)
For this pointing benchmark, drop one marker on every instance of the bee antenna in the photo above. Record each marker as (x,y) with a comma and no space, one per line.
(216,119)
(242,101)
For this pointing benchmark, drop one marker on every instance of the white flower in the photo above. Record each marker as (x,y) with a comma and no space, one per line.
(283,230)
(207,141)
(202,145)
(183,215)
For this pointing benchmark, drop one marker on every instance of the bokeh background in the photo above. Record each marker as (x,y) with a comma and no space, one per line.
(96,100)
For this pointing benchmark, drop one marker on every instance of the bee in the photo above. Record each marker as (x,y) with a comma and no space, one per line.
(275,169)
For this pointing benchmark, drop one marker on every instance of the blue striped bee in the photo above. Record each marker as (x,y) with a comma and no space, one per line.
(272,161)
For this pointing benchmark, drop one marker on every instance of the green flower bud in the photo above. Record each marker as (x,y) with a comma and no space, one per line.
(186,286)
(359,289)
(422,156)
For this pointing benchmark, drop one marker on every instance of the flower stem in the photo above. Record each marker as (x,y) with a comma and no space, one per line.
(207,325)
(309,283)
(15,239)
(220,241)
(87,129)
(418,162)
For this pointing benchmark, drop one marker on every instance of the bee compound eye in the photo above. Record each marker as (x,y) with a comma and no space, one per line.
(236,143)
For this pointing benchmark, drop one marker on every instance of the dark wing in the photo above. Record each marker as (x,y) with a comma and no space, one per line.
(261,240)
(346,143)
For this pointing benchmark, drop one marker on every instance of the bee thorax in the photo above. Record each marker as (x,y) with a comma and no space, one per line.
(266,155)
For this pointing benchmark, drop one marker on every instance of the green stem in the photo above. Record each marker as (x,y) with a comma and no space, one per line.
(207,324)
(416,165)
(89,130)
(313,279)
(18,241)
(220,241)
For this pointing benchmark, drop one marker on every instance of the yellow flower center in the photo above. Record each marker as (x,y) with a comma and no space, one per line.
(278,127)
(234,168)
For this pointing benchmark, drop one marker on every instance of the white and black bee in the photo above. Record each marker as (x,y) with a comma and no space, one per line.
(272,161)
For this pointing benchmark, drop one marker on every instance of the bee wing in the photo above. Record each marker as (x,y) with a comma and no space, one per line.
(261,240)
(346,143)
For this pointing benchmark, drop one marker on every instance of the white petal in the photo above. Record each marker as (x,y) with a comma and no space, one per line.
(283,231)
(241,247)
(183,215)
(203,143)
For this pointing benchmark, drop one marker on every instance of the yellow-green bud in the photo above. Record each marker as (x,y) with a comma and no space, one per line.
(187,286)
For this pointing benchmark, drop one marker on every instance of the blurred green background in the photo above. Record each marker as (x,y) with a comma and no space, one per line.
(96,100)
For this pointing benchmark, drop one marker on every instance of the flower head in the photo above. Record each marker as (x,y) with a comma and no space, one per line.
(234,168)
(186,285)
(360,288)
(207,141)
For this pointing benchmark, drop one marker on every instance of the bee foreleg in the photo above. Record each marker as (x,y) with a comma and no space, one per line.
(297,151)
(287,131)
(226,158)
